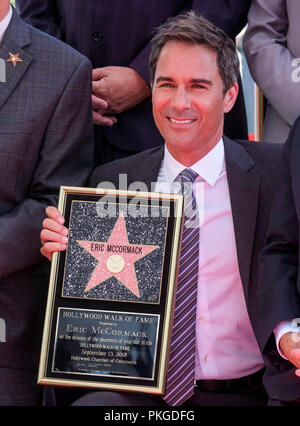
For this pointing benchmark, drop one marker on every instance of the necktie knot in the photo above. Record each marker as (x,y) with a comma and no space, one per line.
(186,179)
(187,175)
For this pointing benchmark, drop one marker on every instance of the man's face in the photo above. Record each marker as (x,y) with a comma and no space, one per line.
(188,100)
(4,8)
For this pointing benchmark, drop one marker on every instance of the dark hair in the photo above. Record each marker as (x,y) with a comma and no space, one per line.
(192,29)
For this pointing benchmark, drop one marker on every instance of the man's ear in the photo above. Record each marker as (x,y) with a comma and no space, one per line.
(230,97)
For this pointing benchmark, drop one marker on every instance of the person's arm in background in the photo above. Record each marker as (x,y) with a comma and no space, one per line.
(43,15)
(269,59)
(115,88)
(278,290)
(125,87)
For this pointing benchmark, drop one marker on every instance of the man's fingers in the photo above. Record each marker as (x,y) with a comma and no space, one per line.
(99,73)
(53,213)
(103,120)
(296,353)
(98,103)
(47,235)
(297,372)
(46,254)
(54,233)
(49,248)
(53,225)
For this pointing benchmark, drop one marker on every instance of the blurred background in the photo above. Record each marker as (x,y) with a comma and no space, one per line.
(253,97)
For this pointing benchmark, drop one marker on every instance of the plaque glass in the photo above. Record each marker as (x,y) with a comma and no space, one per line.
(112,292)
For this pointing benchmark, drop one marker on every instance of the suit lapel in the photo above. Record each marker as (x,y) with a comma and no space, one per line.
(13,42)
(146,170)
(244,194)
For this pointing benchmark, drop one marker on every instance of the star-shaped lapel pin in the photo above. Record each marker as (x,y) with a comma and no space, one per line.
(116,258)
(14,58)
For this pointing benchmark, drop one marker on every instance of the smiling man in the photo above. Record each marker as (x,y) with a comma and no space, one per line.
(194,69)
(189,101)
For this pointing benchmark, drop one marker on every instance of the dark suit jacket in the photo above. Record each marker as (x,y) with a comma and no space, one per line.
(117,32)
(45,142)
(252,178)
(279,285)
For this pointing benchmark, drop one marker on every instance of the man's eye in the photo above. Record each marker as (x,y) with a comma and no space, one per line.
(166,85)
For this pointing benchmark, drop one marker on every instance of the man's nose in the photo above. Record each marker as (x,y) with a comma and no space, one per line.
(181,99)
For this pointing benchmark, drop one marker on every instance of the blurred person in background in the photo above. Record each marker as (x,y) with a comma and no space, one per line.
(115,35)
(272,48)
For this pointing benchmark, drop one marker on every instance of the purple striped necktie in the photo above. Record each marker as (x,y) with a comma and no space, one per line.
(181,369)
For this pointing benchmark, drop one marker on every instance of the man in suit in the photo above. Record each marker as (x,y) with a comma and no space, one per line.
(45,141)
(279,288)
(272,49)
(194,68)
(116,38)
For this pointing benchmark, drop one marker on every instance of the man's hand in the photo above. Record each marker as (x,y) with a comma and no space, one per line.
(290,346)
(121,88)
(100,115)
(54,234)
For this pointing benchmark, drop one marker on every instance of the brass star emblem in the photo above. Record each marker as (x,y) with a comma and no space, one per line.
(14,58)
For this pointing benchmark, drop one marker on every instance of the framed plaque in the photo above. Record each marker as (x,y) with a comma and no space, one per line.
(112,292)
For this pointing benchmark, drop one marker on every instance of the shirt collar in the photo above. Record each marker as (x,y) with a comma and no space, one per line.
(209,168)
(5,23)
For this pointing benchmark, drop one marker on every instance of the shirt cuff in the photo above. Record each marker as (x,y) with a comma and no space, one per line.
(290,326)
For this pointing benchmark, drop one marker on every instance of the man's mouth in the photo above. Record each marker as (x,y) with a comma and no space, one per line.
(181,120)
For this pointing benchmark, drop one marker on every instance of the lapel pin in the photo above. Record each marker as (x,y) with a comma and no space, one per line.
(14,58)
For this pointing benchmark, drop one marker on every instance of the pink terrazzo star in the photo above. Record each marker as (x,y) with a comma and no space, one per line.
(116,258)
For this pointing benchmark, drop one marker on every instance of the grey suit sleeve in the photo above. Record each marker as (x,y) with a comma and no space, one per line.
(41,14)
(269,59)
(65,158)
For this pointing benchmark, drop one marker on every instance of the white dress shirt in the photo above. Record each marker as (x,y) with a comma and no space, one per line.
(225,344)
(5,22)
(289,326)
